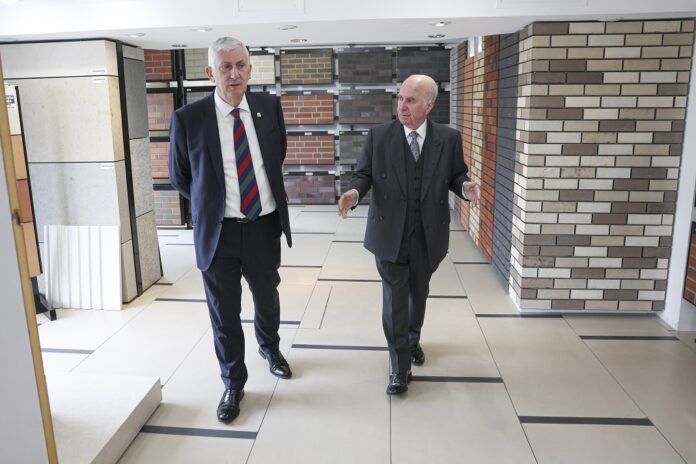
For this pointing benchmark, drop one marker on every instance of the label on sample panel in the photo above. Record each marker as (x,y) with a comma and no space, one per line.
(99,71)
(107,166)
(98,80)
(11,101)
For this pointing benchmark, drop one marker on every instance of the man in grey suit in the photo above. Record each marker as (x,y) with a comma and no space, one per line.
(410,164)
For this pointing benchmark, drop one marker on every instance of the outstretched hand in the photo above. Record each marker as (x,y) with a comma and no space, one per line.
(346,202)
(472,192)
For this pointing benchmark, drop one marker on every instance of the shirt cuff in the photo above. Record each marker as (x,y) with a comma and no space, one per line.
(464,194)
(357,194)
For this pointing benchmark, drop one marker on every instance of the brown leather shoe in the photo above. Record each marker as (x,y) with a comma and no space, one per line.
(398,383)
(228,409)
(276,363)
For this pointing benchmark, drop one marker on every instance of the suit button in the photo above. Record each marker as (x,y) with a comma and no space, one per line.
(381,218)
(386,196)
(383,175)
(442,202)
(445,182)
(444,222)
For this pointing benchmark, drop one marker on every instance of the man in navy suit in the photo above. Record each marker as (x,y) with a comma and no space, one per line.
(410,164)
(225,155)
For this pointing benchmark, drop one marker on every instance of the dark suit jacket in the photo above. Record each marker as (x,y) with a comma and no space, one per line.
(382,167)
(195,165)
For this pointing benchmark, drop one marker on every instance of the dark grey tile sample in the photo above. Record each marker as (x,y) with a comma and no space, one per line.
(148,247)
(505,156)
(195,61)
(441,110)
(365,65)
(81,194)
(136,99)
(345,181)
(141,169)
(365,107)
(350,147)
(423,60)
(195,95)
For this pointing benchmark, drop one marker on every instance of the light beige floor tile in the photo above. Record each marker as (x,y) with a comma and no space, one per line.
(660,377)
(351,228)
(349,261)
(486,293)
(298,275)
(688,338)
(314,314)
(445,281)
(599,444)
(453,342)
(549,371)
(293,302)
(312,221)
(189,286)
(335,410)
(455,221)
(353,316)
(456,422)
(191,396)
(177,260)
(463,249)
(619,325)
(307,250)
(150,448)
(61,362)
(155,343)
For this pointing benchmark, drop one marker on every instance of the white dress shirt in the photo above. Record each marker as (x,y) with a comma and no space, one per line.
(225,122)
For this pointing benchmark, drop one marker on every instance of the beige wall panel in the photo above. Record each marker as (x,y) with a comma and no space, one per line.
(59,59)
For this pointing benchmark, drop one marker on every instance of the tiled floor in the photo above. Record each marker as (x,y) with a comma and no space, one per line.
(496,387)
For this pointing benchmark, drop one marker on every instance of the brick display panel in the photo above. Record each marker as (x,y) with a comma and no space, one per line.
(467,142)
(195,61)
(368,66)
(690,279)
(167,208)
(159,110)
(441,110)
(310,190)
(308,109)
(599,147)
(159,153)
(195,95)
(310,149)
(358,108)
(345,180)
(434,63)
(310,67)
(505,156)
(158,65)
(350,148)
(262,70)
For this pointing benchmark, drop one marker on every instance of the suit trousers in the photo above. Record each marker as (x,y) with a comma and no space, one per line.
(251,250)
(405,287)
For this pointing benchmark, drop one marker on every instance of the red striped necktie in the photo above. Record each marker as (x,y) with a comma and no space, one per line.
(249,199)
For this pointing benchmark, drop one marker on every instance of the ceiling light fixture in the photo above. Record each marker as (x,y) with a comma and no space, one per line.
(298,40)
(436,36)
(202,29)
(287,27)
(135,35)
(441,23)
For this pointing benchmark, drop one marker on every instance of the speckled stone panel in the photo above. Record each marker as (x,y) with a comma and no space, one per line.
(142,175)
(195,61)
(356,107)
(262,70)
(310,190)
(129,288)
(80,194)
(72,119)
(421,60)
(149,249)
(306,67)
(350,147)
(365,66)
(136,100)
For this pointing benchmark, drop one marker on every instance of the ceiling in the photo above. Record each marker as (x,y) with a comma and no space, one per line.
(319,22)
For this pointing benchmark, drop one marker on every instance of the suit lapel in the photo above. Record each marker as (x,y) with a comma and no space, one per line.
(432,150)
(397,153)
(260,126)
(212,139)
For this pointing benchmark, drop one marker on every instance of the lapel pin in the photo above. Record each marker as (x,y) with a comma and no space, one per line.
(258,115)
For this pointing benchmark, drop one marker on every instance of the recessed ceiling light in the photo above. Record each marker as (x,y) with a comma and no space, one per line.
(298,40)
(9,2)
(179,45)
(441,23)
(436,36)
(135,35)
(202,29)
(287,27)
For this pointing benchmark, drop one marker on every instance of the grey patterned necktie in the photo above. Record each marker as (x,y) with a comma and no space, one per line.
(413,144)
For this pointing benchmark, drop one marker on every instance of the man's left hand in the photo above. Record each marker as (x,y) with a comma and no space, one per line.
(472,192)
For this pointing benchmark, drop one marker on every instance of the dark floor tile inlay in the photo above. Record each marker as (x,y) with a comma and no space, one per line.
(436,378)
(453,297)
(185,300)
(66,351)
(192,432)
(541,316)
(585,420)
(301,266)
(629,337)
(349,280)
(340,347)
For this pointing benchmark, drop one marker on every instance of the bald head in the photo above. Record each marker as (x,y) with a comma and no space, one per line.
(416,100)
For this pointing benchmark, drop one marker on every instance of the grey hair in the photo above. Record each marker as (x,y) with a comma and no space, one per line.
(432,91)
(224,44)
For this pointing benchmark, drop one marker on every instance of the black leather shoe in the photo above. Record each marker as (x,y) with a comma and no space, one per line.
(417,355)
(398,383)
(228,409)
(276,363)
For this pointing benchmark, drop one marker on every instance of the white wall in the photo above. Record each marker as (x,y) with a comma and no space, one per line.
(21,430)
(679,313)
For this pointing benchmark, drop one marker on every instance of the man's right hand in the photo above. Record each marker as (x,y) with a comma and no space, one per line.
(346,202)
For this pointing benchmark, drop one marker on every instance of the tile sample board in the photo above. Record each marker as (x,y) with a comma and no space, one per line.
(365,106)
(365,65)
(306,67)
